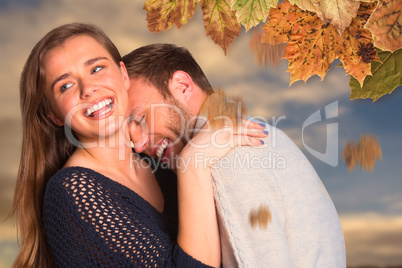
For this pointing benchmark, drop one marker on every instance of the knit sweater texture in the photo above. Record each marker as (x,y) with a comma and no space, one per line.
(93,221)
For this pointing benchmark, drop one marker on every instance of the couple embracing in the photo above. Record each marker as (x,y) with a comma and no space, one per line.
(87,205)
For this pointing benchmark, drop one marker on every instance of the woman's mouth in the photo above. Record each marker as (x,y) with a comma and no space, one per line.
(100,108)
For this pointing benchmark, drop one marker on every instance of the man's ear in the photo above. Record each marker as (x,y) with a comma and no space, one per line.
(55,119)
(181,86)
(124,73)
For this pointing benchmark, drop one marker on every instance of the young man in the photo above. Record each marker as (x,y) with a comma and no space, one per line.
(272,207)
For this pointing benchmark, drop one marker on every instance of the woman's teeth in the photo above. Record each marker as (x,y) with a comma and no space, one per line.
(161,149)
(99,106)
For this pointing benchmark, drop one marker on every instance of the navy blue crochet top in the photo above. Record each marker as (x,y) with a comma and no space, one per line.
(93,221)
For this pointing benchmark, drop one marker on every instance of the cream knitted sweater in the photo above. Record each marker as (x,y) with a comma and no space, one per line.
(303,229)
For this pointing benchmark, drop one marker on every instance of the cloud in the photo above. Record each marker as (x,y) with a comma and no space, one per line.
(393,202)
(372,239)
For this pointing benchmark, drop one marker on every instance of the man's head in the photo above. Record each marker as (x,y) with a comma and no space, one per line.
(167,91)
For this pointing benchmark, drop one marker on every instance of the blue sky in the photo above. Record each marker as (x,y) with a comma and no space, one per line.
(369,204)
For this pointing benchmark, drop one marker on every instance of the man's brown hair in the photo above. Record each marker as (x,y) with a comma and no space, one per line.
(156,64)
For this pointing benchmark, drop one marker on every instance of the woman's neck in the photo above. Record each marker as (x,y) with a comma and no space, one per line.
(111,154)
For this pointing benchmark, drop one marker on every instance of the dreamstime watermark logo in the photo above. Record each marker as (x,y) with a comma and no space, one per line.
(187,127)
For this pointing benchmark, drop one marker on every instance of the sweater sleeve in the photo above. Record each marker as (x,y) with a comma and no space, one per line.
(91,221)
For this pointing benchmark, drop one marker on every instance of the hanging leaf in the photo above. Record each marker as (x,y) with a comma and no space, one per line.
(251,12)
(308,5)
(220,22)
(265,53)
(337,12)
(385,25)
(313,44)
(386,76)
(163,13)
(363,153)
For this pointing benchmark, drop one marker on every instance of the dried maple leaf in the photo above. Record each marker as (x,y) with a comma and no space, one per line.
(314,44)
(364,153)
(220,22)
(308,5)
(386,76)
(265,53)
(385,25)
(337,12)
(251,12)
(163,13)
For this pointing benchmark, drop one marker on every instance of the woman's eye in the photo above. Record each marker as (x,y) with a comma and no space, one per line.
(65,87)
(97,69)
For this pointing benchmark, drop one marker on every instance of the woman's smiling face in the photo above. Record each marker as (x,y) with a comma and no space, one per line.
(86,89)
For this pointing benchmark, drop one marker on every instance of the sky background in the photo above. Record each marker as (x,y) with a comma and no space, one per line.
(369,204)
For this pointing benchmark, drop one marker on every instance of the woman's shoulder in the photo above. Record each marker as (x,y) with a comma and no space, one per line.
(72,179)
(74,174)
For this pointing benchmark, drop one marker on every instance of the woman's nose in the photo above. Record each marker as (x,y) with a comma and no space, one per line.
(88,89)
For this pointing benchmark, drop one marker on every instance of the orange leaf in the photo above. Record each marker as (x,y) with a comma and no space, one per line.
(220,22)
(314,44)
(364,153)
(264,52)
(385,25)
(163,13)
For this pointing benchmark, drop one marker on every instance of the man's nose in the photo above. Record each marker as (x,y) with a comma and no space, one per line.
(139,137)
(141,145)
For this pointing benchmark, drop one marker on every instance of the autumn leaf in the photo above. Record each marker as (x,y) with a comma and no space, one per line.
(313,44)
(308,5)
(251,12)
(163,13)
(337,12)
(385,25)
(265,53)
(261,217)
(363,153)
(220,108)
(220,22)
(386,76)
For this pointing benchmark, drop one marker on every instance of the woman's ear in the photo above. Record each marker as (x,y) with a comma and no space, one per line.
(124,73)
(181,86)
(55,119)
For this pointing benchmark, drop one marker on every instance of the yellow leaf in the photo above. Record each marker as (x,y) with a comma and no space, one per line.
(163,13)
(251,12)
(308,5)
(313,44)
(220,22)
(385,25)
(337,12)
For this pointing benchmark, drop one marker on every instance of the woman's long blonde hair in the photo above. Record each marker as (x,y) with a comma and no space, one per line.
(45,148)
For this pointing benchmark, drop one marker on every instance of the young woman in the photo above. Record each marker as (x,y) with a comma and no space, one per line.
(88,205)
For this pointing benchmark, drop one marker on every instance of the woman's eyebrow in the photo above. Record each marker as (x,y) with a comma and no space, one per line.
(87,63)
(92,61)
(61,77)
